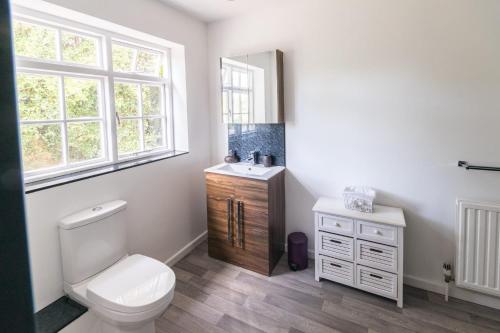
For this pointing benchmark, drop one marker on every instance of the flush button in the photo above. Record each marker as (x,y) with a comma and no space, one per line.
(96,209)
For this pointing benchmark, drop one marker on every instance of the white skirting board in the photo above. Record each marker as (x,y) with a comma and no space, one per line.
(460,293)
(436,287)
(186,249)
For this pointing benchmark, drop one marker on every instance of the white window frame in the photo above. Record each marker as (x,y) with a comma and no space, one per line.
(63,121)
(141,118)
(231,89)
(104,72)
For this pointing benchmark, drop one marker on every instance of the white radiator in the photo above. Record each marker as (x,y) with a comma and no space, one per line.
(478,247)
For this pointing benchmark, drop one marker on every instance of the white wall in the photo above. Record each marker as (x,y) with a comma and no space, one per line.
(167,198)
(386,93)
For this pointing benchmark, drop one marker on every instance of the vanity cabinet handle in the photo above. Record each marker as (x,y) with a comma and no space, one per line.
(376,276)
(229,224)
(335,241)
(336,265)
(376,250)
(239,224)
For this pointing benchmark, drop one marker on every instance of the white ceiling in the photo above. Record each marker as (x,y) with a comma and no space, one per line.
(215,10)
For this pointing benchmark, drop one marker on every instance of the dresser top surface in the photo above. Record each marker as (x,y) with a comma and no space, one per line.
(382,214)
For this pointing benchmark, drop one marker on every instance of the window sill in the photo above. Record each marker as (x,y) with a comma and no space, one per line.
(40,185)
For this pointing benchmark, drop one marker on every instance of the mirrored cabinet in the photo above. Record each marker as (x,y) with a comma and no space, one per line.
(252,88)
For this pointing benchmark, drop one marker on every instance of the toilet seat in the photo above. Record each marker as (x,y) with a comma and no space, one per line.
(137,284)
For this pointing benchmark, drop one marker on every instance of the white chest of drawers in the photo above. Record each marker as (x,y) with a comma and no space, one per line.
(361,250)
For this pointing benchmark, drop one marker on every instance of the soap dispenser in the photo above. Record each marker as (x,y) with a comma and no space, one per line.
(232,157)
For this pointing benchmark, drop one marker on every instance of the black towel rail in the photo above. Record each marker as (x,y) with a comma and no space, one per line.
(467,166)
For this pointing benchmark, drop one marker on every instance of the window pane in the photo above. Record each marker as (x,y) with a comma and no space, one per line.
(82,97)
(38,97)
(244,103)
(84,141)
(225,102)
(237,118)
(123,58)
(148,63)
(236,79)
(126,99)
(34,41)
(151,100)
(244,80)
(41,145)
(79,49)
(128,137)
(226,79)
(236,103)
(135,60)
(153,133)
(250,80)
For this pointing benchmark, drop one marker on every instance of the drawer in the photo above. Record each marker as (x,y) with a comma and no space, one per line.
(377,255)
(337,246)
(336,270)
(336,224)
(377,232)
(377,281)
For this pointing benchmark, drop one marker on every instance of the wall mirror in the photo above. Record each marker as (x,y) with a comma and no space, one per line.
(252,88)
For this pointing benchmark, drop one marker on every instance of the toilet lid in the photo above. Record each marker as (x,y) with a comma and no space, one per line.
(135,284)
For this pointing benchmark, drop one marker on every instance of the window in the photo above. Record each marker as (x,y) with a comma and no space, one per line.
(88,97)
(237,93)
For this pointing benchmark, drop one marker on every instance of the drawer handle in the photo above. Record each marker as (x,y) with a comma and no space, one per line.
(335,241)
(376,276)
(377,232)
(376,250)
(336,265)
(337,225)
(229,221)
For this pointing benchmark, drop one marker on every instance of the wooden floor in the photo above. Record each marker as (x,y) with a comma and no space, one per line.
(213,296)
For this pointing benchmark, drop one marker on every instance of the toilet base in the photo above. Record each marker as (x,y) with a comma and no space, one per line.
(146,328)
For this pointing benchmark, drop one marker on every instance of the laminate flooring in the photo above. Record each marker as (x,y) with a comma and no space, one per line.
(217,297)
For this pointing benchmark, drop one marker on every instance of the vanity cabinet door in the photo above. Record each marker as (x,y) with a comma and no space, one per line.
(220,215)
(252,224)
(246,221)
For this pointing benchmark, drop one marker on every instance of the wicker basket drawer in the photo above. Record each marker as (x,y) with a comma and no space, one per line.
(337,246)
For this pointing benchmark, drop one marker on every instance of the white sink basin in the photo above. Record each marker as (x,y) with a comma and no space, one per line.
(247,170)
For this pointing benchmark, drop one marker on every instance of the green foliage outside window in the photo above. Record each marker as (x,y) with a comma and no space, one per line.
(81,97)
(38,97)
(152,133)
(46,100)
(151,100)
(34,41)
(128,137)
(84,141)
(79,49)
(42,146)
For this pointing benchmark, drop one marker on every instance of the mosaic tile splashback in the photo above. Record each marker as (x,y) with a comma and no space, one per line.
(267,139)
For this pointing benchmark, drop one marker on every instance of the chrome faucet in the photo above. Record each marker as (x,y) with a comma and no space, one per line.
(253,157)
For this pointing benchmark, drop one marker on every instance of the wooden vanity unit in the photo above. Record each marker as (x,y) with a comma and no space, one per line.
(246,220)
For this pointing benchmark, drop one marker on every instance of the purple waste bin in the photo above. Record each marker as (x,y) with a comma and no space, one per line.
(297,251)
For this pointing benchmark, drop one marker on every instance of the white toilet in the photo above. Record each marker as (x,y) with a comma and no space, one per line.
(126,292)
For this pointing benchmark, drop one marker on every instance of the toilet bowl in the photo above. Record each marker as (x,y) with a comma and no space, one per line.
(125,292)
(128,296)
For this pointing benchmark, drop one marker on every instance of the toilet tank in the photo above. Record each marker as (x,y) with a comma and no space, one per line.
(92,240)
